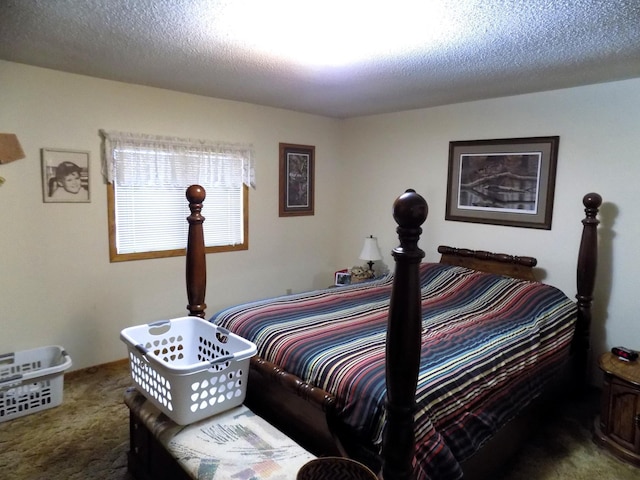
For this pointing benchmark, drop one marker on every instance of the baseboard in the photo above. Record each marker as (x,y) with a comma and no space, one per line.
(83,371)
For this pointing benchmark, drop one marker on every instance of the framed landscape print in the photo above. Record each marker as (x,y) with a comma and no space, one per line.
(65,176)
(503,182)
(296,179)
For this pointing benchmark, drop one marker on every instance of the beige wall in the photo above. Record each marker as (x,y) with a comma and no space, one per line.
(58,287)
(56,283)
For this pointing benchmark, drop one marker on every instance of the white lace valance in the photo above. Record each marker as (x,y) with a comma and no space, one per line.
(138,159)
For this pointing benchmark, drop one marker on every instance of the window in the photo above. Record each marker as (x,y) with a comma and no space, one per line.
(147,177)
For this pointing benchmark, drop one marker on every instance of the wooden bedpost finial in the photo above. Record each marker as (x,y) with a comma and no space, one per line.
(196,194)
(410,210)
(592,202)
(196,271)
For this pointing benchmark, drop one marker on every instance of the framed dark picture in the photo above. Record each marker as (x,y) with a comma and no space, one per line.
(296,179)
(65,176)
(503,182)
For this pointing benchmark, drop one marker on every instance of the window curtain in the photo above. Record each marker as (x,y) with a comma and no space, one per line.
(132,159)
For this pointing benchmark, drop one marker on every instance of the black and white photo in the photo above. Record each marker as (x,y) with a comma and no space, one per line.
(65,176)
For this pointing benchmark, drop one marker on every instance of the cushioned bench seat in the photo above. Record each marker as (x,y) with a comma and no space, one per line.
(236,444)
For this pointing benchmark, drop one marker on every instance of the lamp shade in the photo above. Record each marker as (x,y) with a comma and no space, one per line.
(370,251)
(10,148)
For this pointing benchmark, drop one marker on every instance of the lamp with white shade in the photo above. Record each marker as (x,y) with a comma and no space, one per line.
(370,251)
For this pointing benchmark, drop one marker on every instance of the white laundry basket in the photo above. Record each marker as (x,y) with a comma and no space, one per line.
(189,368)
(31,380)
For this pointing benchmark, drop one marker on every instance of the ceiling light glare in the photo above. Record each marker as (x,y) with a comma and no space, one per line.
(330,33)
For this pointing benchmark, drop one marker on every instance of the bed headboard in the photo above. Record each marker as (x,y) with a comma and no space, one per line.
(499,263)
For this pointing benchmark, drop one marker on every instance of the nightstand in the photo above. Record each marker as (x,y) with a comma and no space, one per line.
(618,427)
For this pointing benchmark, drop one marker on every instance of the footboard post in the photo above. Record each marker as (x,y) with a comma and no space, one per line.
(403,340)
(585,278)
(196,271)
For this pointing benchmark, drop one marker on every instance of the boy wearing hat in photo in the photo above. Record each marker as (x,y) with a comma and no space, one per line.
(67,184)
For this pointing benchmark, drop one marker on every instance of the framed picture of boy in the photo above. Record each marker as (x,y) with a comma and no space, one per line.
(65,176)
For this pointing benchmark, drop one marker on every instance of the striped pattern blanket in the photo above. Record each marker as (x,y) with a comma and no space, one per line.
(489,345)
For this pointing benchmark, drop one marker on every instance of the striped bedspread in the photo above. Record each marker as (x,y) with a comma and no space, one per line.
(489,345)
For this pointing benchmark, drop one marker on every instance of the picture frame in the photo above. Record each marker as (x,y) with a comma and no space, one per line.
(508,182)
(297,189)
(65,176)
(343,277)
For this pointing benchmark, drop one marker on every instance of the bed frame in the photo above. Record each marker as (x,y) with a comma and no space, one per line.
(307,413)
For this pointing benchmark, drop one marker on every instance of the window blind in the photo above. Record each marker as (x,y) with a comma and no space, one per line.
(150,176)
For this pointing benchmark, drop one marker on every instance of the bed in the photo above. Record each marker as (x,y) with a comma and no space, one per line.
(421,405)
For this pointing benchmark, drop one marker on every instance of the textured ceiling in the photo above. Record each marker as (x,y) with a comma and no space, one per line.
(472,49)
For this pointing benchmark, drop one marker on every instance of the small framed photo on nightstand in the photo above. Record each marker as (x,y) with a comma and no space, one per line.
(343,277)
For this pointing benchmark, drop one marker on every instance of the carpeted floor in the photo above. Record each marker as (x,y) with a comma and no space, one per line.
(87,438)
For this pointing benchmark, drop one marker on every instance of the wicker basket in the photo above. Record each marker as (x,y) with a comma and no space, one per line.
(335,468)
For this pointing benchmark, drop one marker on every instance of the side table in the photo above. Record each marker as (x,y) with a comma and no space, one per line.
(618,427)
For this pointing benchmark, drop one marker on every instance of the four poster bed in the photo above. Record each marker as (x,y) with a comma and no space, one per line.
(429,371)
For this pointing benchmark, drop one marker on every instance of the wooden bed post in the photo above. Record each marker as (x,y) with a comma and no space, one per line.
(585,279)
(403,339)
(196,271)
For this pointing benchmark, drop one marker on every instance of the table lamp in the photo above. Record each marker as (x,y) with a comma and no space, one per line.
(370,251)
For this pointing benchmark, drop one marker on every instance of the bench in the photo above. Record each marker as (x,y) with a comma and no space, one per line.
(236,444)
